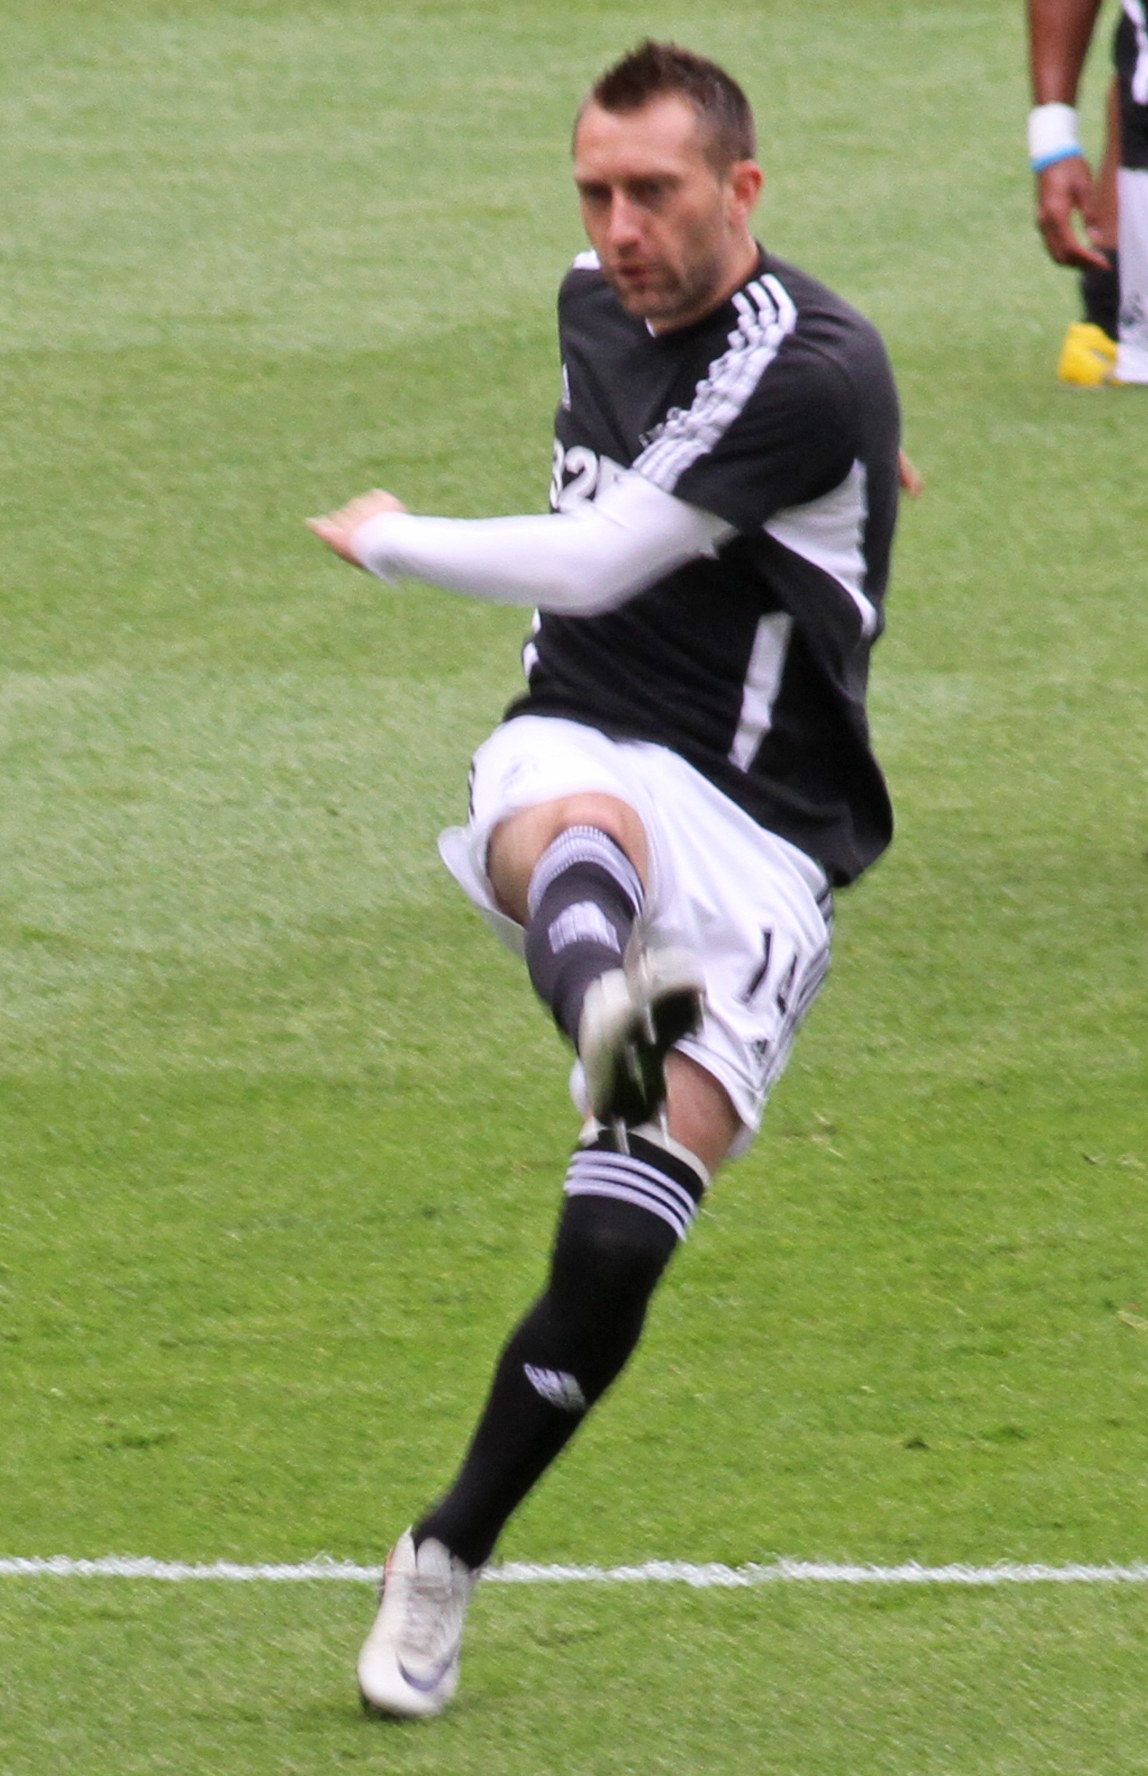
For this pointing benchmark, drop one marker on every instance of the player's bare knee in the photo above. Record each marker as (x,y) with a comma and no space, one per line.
(518,842)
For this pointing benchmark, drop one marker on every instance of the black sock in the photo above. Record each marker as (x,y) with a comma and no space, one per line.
(584,897)
(610,1251)
(1100,293)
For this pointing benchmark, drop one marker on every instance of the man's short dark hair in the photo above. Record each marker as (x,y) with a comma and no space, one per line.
(658,70)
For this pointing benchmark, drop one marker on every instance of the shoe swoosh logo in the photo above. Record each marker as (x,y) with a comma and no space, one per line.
(426,1684)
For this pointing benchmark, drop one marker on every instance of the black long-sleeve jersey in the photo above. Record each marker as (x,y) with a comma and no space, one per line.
(777,413)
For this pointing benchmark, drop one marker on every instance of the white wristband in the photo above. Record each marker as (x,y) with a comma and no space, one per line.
(1052,135)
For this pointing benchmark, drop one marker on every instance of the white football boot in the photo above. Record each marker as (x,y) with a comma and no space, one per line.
(631,1018)
(409,1662)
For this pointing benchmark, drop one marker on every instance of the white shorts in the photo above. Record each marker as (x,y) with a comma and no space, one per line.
(1132,211)
(755,910)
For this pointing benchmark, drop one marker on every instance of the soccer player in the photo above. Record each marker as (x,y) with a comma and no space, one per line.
(1060,32)
(661,820)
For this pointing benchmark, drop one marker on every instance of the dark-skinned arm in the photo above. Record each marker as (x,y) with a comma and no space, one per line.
(1060,32)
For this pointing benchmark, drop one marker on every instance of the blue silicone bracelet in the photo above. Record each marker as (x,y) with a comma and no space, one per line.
(1047,160)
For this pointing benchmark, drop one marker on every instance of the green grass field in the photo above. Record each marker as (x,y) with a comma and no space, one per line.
(282,1129)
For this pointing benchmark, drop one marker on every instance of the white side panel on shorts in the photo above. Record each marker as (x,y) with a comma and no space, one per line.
(1132,345)
(829,532)
(762,683)
(1136,12)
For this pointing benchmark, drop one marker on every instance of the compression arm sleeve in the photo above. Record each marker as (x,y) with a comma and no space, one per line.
(580,562)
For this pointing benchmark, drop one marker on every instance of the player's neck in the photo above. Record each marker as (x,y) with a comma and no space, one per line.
(743,264)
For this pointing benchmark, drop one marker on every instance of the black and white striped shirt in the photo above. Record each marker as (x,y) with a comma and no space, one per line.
(778,414)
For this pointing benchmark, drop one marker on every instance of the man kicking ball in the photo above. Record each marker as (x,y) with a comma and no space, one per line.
(660,821)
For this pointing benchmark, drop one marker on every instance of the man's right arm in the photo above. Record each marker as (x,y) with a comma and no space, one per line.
(581,563)
(1060,32)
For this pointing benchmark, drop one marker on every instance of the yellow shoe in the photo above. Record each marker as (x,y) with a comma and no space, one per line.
(1087,356)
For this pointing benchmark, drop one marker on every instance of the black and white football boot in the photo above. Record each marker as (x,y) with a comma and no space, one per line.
(631,1018)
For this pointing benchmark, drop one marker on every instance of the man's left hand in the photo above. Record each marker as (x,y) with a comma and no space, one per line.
(337,528)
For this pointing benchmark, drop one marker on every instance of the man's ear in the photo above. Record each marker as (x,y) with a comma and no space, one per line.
(745,180)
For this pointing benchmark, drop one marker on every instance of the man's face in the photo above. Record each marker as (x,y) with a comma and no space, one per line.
(670,232)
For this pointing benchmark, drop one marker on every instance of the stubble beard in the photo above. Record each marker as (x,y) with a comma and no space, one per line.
(675,299)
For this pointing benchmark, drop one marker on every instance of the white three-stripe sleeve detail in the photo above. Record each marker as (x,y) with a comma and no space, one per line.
(766,315)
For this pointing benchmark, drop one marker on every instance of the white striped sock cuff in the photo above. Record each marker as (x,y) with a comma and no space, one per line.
(586,845)
(647,1176)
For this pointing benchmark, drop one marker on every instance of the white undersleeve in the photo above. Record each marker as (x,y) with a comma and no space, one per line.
(581,562)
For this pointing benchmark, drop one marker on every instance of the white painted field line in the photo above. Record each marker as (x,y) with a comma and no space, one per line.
(651,1572)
